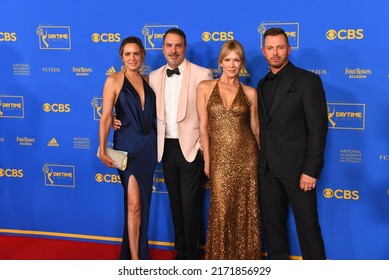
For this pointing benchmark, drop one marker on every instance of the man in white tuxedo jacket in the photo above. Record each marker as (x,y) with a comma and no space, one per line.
(179,140)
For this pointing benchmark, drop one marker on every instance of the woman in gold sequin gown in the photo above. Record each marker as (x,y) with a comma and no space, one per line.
(229,133)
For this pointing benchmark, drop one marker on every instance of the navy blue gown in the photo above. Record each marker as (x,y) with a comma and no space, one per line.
(138,137)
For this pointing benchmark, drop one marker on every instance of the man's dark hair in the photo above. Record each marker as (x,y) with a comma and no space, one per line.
(175,31)
(274,32)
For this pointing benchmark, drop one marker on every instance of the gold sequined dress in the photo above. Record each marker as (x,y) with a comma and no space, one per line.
(234,221)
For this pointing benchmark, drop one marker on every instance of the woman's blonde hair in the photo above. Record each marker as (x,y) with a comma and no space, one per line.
(230,46)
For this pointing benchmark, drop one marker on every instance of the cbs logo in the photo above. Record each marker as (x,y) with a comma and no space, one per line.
(14,173)
(217,36)
(106,37)
(107,178)
(7,36)
(57,108)
(341,194)
(345,34)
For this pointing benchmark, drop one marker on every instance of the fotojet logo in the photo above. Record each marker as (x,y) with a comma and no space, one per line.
(345,34)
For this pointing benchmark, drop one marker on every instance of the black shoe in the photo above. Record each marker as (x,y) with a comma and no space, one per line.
(180,257)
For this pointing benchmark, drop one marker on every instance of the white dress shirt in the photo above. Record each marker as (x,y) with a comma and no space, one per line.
(172,95)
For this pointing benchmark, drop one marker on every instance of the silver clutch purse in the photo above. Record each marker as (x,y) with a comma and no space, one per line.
(120,157)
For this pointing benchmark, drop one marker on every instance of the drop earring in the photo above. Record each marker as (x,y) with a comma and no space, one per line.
(142,69)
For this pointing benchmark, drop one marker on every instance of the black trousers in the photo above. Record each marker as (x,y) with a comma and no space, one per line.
(275,196)
(183,180)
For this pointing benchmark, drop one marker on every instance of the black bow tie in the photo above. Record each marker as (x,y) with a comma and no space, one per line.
(271,76)
(170,72)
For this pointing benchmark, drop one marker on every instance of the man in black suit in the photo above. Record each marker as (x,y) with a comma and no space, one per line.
(293,116)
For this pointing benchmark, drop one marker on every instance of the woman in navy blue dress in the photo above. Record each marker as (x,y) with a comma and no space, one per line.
(134,102)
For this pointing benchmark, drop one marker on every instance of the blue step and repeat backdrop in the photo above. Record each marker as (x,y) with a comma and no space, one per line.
(56,55)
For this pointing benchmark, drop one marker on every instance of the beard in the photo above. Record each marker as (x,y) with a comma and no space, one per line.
(277,64)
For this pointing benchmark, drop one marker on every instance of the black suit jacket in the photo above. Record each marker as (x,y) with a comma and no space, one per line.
(293,134)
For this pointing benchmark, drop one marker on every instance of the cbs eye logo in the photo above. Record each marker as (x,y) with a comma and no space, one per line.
(106,37)
(345,34)
(13,173)
(7,36)
(341,194)
(217,36)
(56,108)
(107,178)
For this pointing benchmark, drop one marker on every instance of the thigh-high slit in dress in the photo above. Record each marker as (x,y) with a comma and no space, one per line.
(137,136)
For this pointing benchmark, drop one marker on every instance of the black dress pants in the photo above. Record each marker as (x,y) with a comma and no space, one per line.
(183,181)
(275,196)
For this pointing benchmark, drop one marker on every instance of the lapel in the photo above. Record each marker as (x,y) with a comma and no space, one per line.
(281,92)
(160,92)
(183,99)
(260,99)
(283,89)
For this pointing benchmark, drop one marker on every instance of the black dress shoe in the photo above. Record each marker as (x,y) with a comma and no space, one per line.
(180,257)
